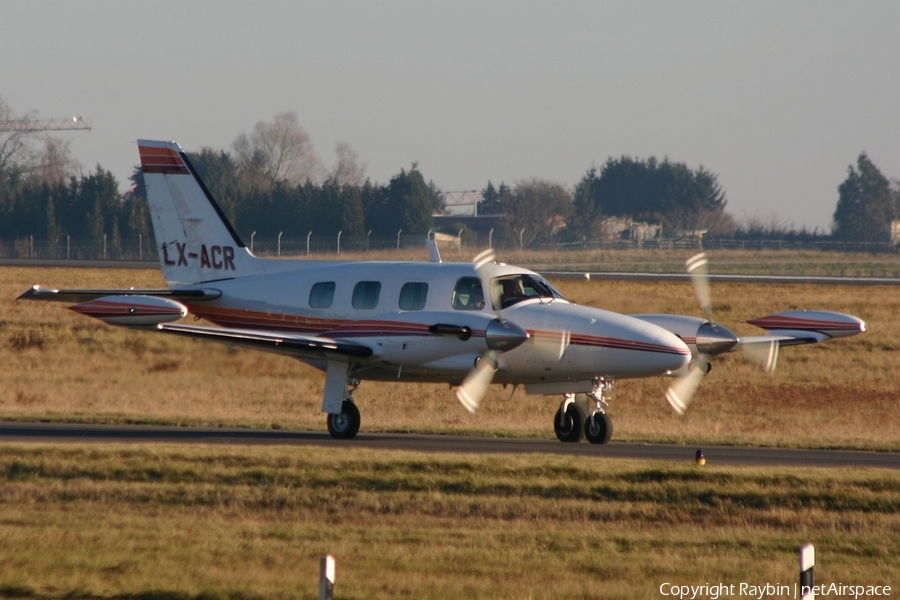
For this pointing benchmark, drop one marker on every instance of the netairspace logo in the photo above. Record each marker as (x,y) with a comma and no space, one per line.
(715,591)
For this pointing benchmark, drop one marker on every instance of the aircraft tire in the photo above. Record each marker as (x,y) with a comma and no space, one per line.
(345,425)
(598,428)
(572,429)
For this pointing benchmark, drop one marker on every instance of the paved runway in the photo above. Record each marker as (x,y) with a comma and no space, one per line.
(715,455)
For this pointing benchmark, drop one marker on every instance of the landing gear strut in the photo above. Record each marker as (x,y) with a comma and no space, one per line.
(570,423)
(345,424)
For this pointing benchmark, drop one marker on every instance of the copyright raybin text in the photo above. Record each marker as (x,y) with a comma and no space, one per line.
(714,591)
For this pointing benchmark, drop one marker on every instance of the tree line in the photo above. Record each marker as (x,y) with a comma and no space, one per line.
(272,181)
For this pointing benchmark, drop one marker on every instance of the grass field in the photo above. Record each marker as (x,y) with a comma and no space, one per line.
(61,366)
(173,523)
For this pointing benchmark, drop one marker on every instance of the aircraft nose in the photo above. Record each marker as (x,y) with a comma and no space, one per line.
(662,351)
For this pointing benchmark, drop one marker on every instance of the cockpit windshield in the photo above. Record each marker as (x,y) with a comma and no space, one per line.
(512,289)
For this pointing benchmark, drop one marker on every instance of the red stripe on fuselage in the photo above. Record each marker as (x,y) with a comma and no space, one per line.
(347,329)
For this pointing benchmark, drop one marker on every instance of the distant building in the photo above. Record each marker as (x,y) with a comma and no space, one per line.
(462,203)
(618,228)
(895,234)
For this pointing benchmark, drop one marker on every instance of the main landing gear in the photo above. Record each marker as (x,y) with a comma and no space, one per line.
(584,416)
(345,424)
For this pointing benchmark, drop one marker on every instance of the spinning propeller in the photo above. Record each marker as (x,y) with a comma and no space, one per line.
(500,336)
(713,339)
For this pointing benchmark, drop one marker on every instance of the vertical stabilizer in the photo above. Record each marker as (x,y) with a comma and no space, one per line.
(195,241)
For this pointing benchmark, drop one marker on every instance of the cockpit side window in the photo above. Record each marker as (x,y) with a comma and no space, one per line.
(512,289)
(468,294)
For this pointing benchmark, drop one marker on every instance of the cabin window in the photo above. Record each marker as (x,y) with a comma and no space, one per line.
(468,294)
(413,295)
(365,294)
(321,295)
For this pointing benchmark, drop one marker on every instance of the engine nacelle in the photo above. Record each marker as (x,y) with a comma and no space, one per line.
(132,310)
(818,324)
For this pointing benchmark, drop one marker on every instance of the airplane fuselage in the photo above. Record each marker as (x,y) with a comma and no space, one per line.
(370,303)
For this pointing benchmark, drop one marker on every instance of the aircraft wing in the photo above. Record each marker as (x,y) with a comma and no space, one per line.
(298,346)
(74,295)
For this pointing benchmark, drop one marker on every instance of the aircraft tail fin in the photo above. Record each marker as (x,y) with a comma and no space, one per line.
(195,241)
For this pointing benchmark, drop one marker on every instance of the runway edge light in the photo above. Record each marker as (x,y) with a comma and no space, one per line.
(326,577)
(807,572)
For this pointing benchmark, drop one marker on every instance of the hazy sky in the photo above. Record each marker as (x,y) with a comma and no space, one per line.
(777,98)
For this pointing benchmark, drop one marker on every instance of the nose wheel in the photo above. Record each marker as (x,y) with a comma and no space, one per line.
(598,428)
(570,423)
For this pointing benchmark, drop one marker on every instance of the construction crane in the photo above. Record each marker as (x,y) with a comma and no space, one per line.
(29,125)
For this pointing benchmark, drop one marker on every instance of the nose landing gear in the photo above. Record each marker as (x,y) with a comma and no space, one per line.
(584,415)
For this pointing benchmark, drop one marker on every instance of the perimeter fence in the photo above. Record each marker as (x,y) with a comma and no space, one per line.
(144,249)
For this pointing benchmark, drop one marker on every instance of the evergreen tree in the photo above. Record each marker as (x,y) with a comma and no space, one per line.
(490,201)
(412,199)
(865,205)
(647,190)
(352,217)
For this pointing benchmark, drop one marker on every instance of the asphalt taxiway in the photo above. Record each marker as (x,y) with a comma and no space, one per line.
(715,455)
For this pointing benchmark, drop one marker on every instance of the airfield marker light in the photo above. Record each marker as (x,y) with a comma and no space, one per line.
(701,460)
(326,577)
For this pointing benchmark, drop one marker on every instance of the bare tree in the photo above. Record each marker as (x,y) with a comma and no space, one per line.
(280,150)
(14,145)
(348,170)
(54,163)
(537,210)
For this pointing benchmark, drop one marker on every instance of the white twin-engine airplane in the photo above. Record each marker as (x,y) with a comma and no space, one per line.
(466,324)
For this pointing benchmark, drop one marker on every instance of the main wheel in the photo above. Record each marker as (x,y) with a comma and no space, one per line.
(345,425)
(598,428)
(569,425)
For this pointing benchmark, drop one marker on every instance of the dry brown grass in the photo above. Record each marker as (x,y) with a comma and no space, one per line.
(58,365)
(181,523)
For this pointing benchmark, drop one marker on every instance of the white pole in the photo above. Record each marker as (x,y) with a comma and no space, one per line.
(398,238)
(326,577)
(252,235)
(807,566)
(491,238)
(307,242)
(279,242)
(339,240)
